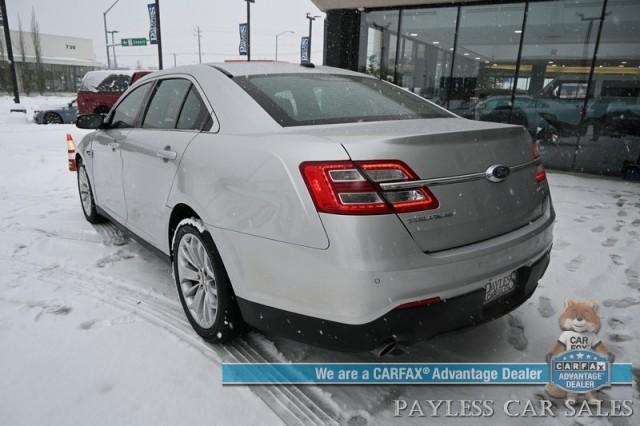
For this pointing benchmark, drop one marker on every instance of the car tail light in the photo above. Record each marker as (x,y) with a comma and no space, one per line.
(348,187)
(538,167)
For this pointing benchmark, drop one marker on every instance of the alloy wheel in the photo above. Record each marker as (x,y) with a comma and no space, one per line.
(197,280)
(85,191)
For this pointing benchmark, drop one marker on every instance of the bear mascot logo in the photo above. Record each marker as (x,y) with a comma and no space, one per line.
(580,325)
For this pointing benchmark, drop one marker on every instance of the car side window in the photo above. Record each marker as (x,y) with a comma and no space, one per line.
(194,114)
(165,105)
(127,111)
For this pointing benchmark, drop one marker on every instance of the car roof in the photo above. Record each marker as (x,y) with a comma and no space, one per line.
(244,68)
(257,67)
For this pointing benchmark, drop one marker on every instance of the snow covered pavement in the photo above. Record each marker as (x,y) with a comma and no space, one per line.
(91,331)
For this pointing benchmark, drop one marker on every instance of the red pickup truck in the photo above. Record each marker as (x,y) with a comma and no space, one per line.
(101,89)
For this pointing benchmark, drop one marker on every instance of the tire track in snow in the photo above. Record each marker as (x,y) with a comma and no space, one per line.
(307,405)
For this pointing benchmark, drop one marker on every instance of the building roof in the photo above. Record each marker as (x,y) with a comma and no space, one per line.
(55,49)
(325,5)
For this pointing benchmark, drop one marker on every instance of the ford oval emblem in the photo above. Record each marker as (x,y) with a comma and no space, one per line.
(497,173)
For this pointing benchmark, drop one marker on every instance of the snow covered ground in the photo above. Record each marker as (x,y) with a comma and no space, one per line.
(91,331)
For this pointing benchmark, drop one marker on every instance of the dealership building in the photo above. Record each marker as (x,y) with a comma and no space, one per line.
(567,70)
(65,60)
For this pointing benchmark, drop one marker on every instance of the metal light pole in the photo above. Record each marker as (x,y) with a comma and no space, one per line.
(7,37)
(278,35)
(311,19)
(198,34)
(159,34)
(106,35)
(249,28)
(113,47)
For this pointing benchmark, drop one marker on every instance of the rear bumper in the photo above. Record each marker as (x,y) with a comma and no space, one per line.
(371,267)
(405,325)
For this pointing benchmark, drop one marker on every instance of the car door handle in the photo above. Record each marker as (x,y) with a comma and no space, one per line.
(167,155)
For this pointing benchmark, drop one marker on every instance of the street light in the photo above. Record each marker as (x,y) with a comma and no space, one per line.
(106,36)
(113,46)
(278,35)
(311,19)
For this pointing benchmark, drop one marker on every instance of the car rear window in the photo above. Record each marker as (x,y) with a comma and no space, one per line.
(106,82)
(309,99)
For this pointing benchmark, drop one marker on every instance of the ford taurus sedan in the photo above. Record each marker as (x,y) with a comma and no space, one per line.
(319,204)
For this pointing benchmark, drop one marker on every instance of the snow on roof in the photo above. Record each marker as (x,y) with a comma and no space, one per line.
(93,79)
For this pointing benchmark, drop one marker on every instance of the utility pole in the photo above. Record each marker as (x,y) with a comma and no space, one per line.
(174,60)
(106,35)
(113,47)
(159,34)
(311,19)
(278,35)
(249,28)
(7,37)
(198,33)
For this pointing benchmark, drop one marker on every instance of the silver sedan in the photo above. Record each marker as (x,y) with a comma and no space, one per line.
(319,204)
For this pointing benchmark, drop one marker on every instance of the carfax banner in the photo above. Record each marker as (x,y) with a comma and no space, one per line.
(577,377)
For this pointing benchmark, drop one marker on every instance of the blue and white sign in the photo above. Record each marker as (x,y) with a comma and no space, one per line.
(153,24)
(304,50)
(243,39)
(404,373)
(580,371)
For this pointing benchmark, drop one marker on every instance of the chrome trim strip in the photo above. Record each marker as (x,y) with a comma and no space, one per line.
(451,179)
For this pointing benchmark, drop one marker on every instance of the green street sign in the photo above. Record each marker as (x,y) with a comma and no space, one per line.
(126,42)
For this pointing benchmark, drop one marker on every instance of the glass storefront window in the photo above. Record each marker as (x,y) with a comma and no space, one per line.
(567,70)
(378,42)
(426,47)
(485,61)
(557,53)
(612,122)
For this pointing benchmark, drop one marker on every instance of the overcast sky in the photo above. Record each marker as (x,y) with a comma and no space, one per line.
(218,20)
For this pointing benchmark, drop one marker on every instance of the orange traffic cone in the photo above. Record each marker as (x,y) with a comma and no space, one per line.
(71,153)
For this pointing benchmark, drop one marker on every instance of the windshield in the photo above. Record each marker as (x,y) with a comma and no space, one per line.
(308,99)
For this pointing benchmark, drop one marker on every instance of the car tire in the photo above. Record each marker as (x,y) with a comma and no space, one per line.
(52,118)
(203,285)
(87,201)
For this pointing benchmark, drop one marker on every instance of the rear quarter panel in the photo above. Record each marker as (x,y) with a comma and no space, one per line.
(252,184)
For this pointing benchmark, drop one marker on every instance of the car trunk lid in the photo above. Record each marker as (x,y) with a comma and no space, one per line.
(455,154)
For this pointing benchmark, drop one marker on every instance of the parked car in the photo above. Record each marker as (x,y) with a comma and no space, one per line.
(559,108)
(319,204)
(101,89)
(66,114)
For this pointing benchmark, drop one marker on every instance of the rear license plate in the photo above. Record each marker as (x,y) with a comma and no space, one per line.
(499,286)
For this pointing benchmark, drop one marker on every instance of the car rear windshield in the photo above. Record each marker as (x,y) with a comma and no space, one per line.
(309,99)
(105,81)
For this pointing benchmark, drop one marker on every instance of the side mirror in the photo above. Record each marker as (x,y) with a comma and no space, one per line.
(90,121)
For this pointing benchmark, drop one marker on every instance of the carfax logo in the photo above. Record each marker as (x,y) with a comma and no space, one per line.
(580,371)
(579,361)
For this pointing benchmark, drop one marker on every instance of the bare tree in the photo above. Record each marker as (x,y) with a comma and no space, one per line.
(4,77)
(25,76)
(37,49)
